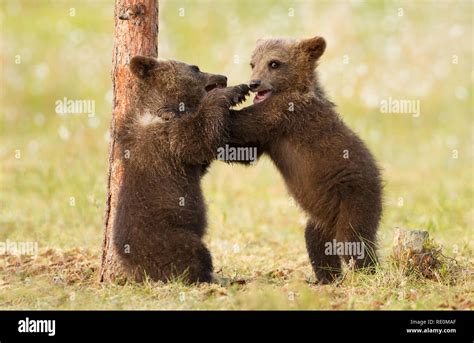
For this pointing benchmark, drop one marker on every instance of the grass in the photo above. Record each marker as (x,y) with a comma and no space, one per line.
(54,193)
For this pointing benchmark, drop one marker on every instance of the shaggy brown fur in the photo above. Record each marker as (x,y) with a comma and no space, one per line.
(326,167)
(179,119)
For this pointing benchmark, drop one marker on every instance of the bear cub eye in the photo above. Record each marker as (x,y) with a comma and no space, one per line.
(195,69)
(274,64)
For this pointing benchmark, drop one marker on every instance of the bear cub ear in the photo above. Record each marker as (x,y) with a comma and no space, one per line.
(313,46)
(143,66)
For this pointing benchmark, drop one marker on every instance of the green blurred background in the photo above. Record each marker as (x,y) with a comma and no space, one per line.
(53,167)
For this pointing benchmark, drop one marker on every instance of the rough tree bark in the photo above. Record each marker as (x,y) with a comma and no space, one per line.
(136,33)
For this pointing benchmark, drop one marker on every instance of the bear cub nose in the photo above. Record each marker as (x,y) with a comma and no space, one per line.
(254,84)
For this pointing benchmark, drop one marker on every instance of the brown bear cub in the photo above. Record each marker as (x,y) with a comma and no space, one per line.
(179,119)
(326,166)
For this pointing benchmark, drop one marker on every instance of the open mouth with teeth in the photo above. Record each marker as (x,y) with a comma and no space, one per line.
(262,95)
(213,85)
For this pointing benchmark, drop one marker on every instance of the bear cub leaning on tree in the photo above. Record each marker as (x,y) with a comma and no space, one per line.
(326,166)
(179,118)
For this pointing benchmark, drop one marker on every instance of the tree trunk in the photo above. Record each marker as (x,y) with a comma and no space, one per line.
(136,33)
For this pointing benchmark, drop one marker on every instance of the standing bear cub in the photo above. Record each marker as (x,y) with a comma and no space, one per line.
(178,119)
(326,166)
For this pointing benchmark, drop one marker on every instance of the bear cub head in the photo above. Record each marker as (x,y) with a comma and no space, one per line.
(183,85)
(280,65)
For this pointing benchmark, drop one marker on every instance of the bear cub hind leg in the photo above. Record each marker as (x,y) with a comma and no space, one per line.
(327,267)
